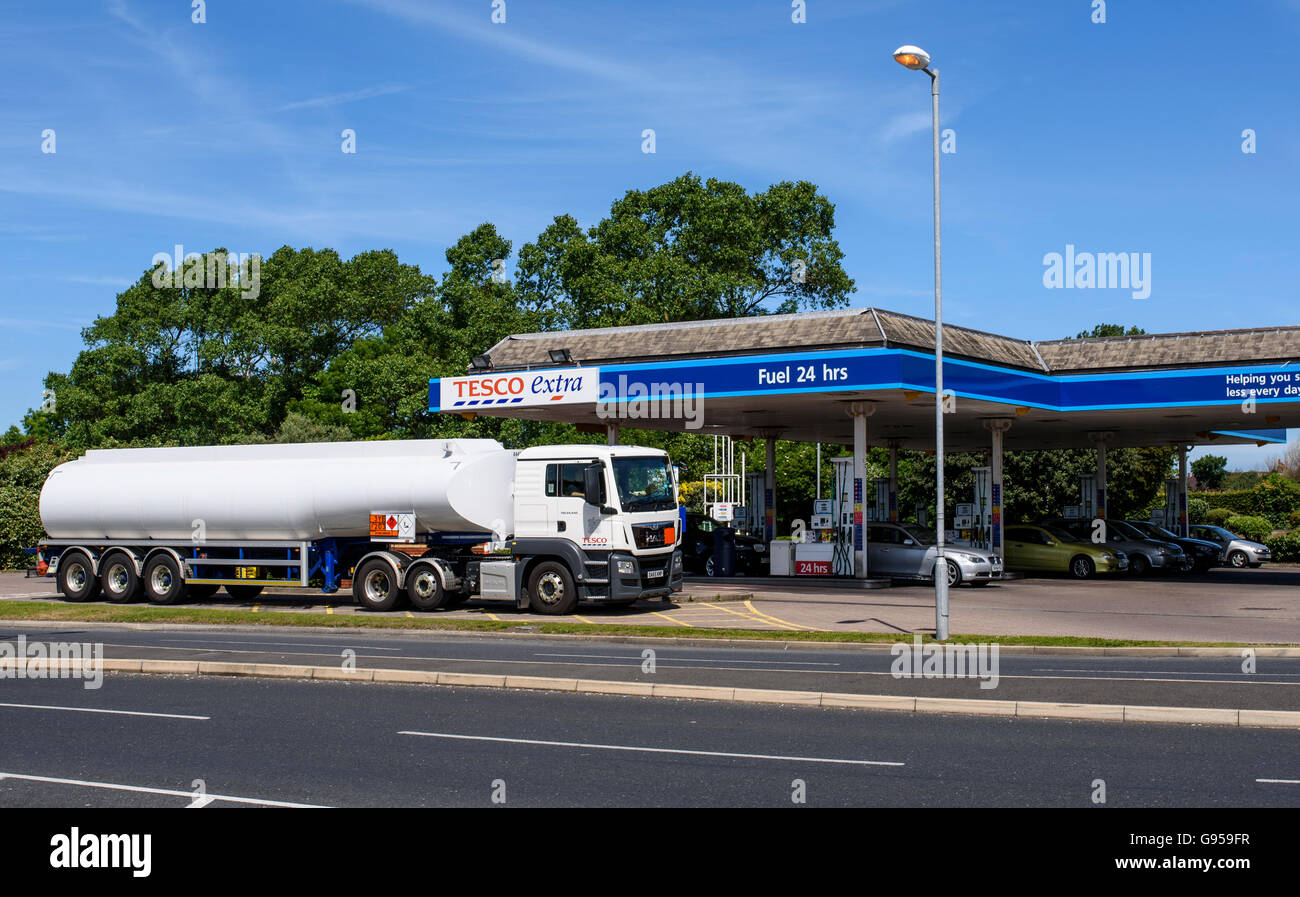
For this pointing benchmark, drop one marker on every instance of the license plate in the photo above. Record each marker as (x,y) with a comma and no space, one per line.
(654,574)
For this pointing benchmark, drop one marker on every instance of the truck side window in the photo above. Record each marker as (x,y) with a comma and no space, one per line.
(566,481)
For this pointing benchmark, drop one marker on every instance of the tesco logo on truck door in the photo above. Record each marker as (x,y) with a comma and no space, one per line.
(571,385)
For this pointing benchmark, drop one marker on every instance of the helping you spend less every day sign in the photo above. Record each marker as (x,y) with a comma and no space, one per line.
(1261,386)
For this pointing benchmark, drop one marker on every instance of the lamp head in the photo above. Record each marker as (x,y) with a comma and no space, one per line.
(912,57)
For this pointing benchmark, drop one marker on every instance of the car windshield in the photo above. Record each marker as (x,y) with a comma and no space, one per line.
(1218,531)
(923,536)
(1152,530)
(644,484)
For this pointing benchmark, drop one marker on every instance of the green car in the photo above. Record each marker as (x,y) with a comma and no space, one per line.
(1048,548)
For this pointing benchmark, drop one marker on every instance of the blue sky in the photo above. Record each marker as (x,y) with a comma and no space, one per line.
(1122,136)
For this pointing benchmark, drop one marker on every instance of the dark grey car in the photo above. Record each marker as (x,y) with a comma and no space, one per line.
(1144,555)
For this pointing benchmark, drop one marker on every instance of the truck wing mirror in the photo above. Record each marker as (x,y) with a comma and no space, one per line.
(591,483)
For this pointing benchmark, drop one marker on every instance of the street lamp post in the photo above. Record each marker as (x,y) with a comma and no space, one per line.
(918,60)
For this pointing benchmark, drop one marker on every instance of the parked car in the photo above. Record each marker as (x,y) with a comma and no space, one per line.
(752,558)
(1047,548)
(1235,550)
(1204,554)
(1144,554)
(903,551)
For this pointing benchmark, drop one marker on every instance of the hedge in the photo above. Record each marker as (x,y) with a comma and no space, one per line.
(1218,516)
(1285,547)
(1256,529)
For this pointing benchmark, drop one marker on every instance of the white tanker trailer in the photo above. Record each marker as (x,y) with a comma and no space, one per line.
(431,522)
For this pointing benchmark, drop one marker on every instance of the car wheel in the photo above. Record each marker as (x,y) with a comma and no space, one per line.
(708,566)
(1139,566)
(954,574)
(1082,567)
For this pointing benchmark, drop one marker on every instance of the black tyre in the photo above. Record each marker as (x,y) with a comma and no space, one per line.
(374,586)
(162,581)
(1238,559)
(118,581)
(1082,567)
(708,566)
(980,583)
(454,599)
(244,593)
(551,589)
(201,592)
(1139,565)
(424,588)
(77,580)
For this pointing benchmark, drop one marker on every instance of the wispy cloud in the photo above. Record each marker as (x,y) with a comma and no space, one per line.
(351,96)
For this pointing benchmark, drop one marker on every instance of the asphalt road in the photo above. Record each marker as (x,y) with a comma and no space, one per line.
(346,744)
(1255,606)
(1082,678)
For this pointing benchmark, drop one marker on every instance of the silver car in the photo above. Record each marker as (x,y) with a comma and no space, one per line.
(1144,554)
(1237,552)
(903,551)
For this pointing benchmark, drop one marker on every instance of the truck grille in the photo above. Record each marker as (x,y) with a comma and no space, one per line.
(653,535)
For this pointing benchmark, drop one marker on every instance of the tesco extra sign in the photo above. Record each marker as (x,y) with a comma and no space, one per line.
(567,385)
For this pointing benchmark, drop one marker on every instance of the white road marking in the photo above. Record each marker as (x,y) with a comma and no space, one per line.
(650,750)
(216,641)
(1162,672)
(102,710)
(1279,781)
(637,658)
(110,786)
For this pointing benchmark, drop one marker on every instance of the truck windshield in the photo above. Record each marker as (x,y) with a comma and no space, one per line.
(644,484)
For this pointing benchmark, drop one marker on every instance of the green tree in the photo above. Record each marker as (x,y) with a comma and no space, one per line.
(688,250)
(1108,330)
(1209,471)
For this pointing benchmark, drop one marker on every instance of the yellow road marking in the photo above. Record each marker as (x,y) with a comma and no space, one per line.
(749,605)
(411,615)
(492,616)
(752,618)
(256,608)
(329,608)
(670,619)
(583,619)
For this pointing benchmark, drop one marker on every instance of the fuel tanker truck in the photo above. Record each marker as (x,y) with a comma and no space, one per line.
(430,522)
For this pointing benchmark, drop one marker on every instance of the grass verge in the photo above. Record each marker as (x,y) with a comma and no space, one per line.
(99,613)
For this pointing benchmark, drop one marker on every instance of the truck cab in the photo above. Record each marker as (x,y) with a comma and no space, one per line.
(592,523)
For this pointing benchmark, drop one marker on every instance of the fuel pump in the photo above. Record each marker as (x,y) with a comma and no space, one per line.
(982,512)
(842,514)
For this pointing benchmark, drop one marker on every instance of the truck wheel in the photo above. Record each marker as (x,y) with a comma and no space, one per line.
(551,589)
(201,592)
(118,580)
(244,593)
(454,599)
(76,581)
(424,588)
(375,586)
(162,581)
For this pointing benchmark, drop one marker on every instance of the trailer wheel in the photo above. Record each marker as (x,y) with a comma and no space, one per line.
(375,586)
(76,581)
(162,581)
(244,593)
(551,589)
(201,592)
(118,579)
(424,588)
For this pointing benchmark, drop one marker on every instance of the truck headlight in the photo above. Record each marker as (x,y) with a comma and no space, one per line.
(626,567)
